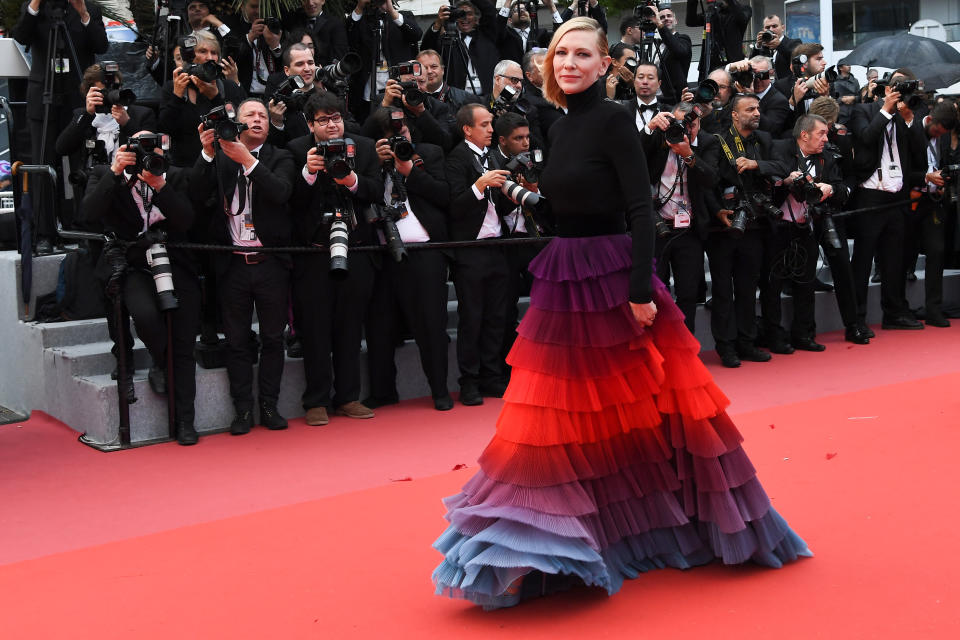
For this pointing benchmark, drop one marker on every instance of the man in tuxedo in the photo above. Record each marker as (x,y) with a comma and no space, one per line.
(480,274)
(804,157)
(412,292)
(684,179)
(775,112)
(328,29)
(735,259)
(260,48)
(431,81)
(779,48)
(399,35)
(429,121)
(329,307)
(84,24)
(729,23)
(889,160)
(126,201)
(249,209)
(676,51)
(287,124)
(646,83)
(515,33)
(469,52)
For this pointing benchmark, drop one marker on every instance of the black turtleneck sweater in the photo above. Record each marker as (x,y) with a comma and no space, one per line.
(596,180)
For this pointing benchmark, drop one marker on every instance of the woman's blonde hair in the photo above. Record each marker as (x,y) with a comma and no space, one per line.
(551,90)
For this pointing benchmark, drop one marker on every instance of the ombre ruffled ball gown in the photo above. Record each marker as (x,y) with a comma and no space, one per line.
(613,454)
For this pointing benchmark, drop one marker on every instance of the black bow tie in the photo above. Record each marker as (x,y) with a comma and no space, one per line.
(647,107)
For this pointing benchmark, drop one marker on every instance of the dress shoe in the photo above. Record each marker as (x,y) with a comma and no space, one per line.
(294,348)
(271,418)
(157,377)
(242,422)
(807,344)
(317,416)
(354,409)
(186,434)
(470,394)
(820,285)
(781,347)
(901,322)
(44,247)
(937,320)
(865,330)
(856,335)
(493,389)
(752,354)
(443,403)
(375,402)
(729,359)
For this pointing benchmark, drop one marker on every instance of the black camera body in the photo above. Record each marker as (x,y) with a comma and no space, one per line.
(805,191)
(526,164)
(208,71)
(273,23)
(908,90)
(223,121)
(508,100)
(411,90)
(744,78)
(748,205)
(677,129)
(950,174)
(146,146)
(336,75)
(290,92)
(113,93)
(705,92)
(767,36)
(647,11)
(338,155)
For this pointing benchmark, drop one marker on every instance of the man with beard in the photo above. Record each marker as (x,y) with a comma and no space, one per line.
(507,73)
(676,50)
(515,34)
(646,83)
(779,48)
(775,113)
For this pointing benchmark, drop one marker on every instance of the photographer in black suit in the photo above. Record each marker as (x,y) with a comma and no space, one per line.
(128,200)
(757,76)
(432,82)
(684,178)
(329,307)
(889,160)
(84,25)
(399,37)
(794,247)
(328,29)
(249,208)
(728,26)
(260,46)
(516,35)
(429,119)
(508,73)
(646,84)
(676,51)
(772,42)
(480,274)
(469,53)
(412,292)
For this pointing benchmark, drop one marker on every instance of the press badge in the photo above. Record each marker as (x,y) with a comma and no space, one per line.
(681,220)
(383,74)
(893,172)
(248,233)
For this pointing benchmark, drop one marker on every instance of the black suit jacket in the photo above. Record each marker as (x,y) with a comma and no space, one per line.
(482,50)
(32,31)
(239,27)
(728,29)
(758,179)
(776,116)
(81,129)
(180,118)
(868,125)
(674,64)
(436,125)
(634,107)
(329,31)
(598,13)
(272,181)
(399,44)
(510,44)
(466,212)
(702,176)
(827,166)
(429,192)
(784,55)
(309,202)
(546,112)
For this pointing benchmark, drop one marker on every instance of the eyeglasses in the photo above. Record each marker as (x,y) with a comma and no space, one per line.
(512,79)
(323,121)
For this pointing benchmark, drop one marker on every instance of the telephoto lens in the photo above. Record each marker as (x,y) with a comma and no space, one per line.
(159,263)
(830,236)
(524,197)
(738,221)
(339,236)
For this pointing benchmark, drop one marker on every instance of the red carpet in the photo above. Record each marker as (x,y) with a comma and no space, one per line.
(172,542)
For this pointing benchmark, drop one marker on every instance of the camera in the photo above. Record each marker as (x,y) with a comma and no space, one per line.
(411,90)
(767,36)
(805,191)
(112,92)
(906,88)
(647,12)
(456,13)
(339,237)
(336,75)
(230,47)
(828,234)
(830,74)
(386,218)
(705,92)
(207,71)
(530,200)
(746,206)
(223,121)
(744,78)
(527,164)
(338,155)
(146,146)
(508,100)
(159,262)
(273,23)
(290,92)
(950,174)
(677,129)
(188,45)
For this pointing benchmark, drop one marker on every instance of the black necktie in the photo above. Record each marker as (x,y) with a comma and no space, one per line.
(242,186)
(311,23)
(481,158)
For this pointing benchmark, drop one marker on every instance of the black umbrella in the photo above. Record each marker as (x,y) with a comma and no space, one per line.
(902,50)
(25,218)
(937,75)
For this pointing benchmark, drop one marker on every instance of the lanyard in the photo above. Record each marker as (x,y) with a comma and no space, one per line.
(888,135)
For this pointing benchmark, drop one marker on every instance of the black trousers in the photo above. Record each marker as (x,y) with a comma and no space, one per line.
(839,261)
(413,292)
(140,304)
(263,286)
(682,253)
(793,253)
(880,232)
(49,201)
(328,314)
(924,232)
(480,277)
(734,273)
(519,281)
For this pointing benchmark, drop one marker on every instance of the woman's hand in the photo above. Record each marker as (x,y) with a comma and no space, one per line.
(644,313)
